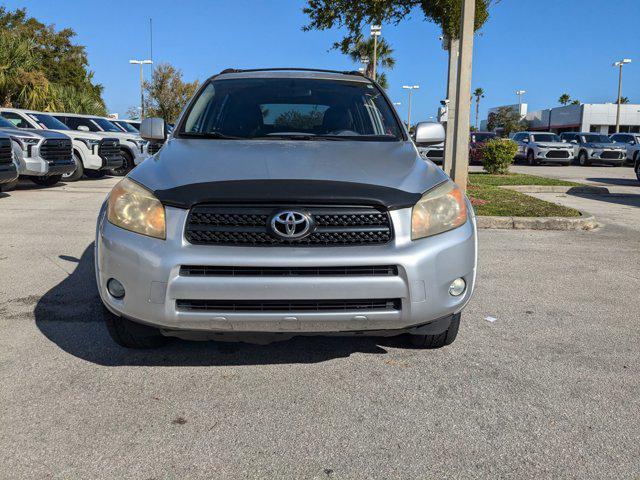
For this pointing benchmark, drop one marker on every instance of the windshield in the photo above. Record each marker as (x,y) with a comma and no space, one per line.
(126,126)
(106,125)
(546,137)
(482,137)
(4,123)
(597,139)
(47,121)
(291,108)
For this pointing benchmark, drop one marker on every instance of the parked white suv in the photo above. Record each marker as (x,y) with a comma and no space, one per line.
(92,154)
(42,156)
(542,147)
(595,147)
(631,142)
(131,144)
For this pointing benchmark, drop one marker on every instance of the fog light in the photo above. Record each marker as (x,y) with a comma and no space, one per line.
(115,288)
(457,287)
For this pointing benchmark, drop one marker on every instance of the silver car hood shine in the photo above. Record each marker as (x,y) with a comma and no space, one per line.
(190,161)
(612,146)
(553,144)
(32,132)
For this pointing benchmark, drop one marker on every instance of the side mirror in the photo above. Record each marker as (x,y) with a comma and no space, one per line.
(428,133)
(525,140)
(153,129)
(83,128)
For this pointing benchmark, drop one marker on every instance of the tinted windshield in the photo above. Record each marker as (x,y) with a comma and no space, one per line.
(597,139)
(483,137)
(126,126)
(47,121)
(292,107)
(106,125)
(546,137)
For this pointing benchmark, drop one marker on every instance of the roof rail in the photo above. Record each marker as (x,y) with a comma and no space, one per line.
(292,69)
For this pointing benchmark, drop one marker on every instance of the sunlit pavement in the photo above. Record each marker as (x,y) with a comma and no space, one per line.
(551,388)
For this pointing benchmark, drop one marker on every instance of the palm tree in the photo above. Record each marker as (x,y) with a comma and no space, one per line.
(564,99)
(364,49)
(623,100)
(479,94)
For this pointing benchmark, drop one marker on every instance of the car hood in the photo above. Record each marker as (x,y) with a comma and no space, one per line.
(197,170)
(553,144)
(607,145)
(78,134)
(33,132)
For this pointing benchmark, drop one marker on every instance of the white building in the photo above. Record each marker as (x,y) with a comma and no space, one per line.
(588,117)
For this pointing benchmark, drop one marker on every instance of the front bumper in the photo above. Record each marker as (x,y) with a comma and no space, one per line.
(596,154)
(8,173)
(149,269)
(550,155)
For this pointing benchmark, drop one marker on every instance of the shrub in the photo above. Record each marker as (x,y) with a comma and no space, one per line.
(498,154)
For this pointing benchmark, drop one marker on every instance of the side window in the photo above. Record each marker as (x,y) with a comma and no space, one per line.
(75,122)
(518,137)
(17,120)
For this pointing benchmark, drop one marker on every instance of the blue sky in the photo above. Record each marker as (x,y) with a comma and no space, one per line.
(545,47)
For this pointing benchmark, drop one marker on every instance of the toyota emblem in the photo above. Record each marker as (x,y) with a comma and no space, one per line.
(290,224)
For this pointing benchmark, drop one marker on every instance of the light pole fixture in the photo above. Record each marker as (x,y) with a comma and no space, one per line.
(620,64)
(141,63)
(376,31)
(411,88)
(519,93)
(365,63)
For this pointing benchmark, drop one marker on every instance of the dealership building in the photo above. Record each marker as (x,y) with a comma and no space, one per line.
(587,117)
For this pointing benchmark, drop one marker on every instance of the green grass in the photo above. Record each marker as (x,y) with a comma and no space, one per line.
(516,179)
(495,201)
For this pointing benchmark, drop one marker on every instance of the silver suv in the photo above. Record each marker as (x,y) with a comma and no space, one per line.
(595,147)
(542,147)
(631,142)
(286,202)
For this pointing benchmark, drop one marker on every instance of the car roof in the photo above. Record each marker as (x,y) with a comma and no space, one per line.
(351,76)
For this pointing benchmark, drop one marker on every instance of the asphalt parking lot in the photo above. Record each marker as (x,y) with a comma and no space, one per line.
(549,389)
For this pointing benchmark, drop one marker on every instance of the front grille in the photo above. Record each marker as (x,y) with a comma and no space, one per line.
(286,306)
(56,150)
(250,226)
(153,148)
(109,150)
(557,154)
(6,154)
(611,155)
(214,271)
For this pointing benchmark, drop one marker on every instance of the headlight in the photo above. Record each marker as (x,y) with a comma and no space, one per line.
(90,143)
(133,207)
(439,210)
(25,142)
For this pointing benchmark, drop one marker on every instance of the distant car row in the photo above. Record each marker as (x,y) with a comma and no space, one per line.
(49,147)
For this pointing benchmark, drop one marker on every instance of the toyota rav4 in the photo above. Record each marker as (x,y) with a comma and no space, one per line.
(286,202)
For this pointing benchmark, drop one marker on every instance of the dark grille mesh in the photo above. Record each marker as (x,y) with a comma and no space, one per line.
(216,271)
(109,149)
(558,154)
(370,305)
(56,150)
(154,148)
(611,155)
(250,226)
(5,151)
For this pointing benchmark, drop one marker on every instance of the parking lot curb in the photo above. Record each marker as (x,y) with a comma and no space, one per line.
(583,189)
(584,222)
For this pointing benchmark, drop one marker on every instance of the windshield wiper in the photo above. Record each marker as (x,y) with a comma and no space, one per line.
(214,135)
(301,137)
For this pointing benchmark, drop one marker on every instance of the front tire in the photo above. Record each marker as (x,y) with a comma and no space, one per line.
(47,181)
(637,169)
(95,173)
(129,334)
(77,173)
(583,160)
(127,165)
(439,340)
(531,158)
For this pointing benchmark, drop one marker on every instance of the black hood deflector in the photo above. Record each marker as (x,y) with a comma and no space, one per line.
(289,192)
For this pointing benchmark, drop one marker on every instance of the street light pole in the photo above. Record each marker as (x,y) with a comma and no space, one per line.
(376,30)
(410,88)
(519,93)
(620,64)
(141,63)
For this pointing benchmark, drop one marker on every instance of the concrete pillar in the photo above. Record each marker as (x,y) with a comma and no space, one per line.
(452,81)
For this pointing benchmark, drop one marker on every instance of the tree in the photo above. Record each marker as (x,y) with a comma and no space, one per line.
(42,68)
(479,94)
(507,120)
(564,99)
(299,120)
(575,102)
(364,49)
(623,100)
(166,94)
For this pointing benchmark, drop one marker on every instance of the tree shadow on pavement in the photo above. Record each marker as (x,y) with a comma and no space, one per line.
(70,315)
(622,182)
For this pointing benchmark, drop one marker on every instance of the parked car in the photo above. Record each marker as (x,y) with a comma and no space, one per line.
(590,147)
(43,156)
(631,142)
(432,151)
(542,147)
(476,142)
(127,126)
(131,145)
(93,154)
(636,166)
(8,167)
(286,203)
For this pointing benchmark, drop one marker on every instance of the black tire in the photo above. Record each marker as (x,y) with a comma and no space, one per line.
(440,340)
(95,173)
(637,169)
(129,334)
(7,187)
(531,158)
(583,160)
(127,165)
(77,173)
(47,181)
